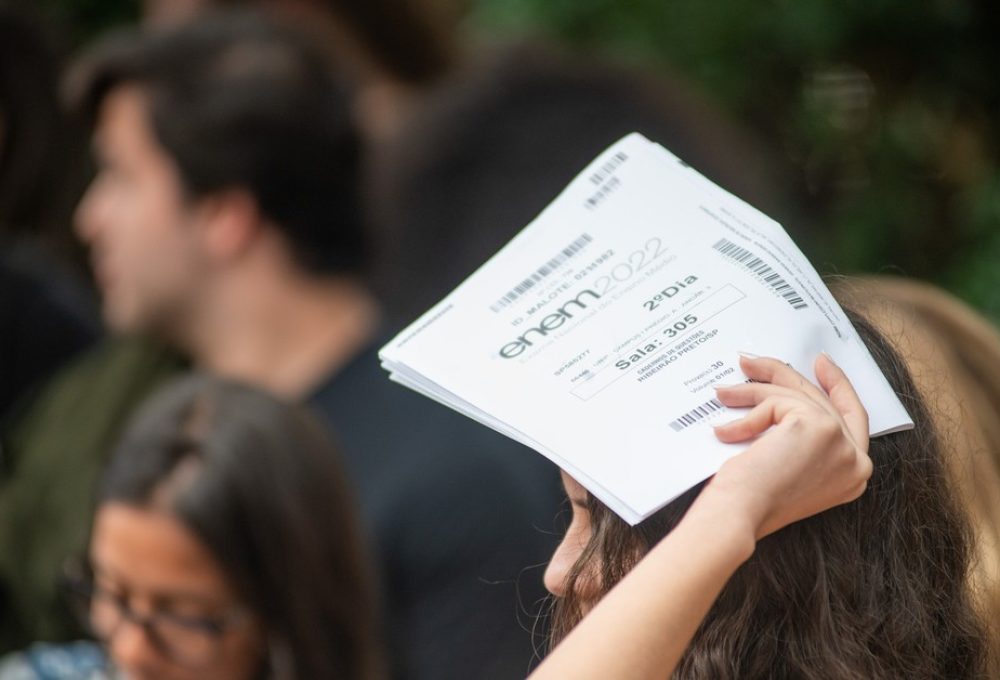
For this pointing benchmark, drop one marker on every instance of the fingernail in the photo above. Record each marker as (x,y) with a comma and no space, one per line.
(749,355)
(723,386)
(827,355)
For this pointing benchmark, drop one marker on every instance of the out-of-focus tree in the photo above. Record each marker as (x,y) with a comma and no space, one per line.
(79,20)
(886,112)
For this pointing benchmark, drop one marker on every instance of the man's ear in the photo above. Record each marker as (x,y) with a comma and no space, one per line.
(231,222)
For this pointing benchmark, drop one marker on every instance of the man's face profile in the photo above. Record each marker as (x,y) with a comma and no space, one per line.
(140,227)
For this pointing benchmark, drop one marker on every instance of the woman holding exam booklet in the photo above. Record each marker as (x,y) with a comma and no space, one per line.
(802,557)
(788,563)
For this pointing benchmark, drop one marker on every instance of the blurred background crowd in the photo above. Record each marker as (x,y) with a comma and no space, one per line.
(870,130)
(876,118)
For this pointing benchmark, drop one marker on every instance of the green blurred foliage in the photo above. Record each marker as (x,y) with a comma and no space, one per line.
(885,113)
(80,20)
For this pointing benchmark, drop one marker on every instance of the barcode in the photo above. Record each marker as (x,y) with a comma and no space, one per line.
(763,271)
(697,414)
(701,412)
(543,271)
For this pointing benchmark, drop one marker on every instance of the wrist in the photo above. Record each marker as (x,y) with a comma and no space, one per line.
(735,489)
(728,518)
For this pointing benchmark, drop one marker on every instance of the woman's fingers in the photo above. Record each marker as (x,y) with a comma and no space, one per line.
(771,410)
(774,372)
(758,420)
(751,394)
(844,399)
(810,449)
(769,402)
(836,398)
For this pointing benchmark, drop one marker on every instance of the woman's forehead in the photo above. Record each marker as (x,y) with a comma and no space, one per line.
(153,552)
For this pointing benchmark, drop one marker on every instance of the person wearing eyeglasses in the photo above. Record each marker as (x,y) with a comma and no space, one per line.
(224,545)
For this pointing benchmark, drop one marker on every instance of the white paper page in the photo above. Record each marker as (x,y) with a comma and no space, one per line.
(597,334)
(764,235)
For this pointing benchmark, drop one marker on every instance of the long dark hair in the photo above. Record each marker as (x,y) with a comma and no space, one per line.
(270,502)
(874,589)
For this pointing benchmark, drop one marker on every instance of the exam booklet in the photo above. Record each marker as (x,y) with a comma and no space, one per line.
(597,334)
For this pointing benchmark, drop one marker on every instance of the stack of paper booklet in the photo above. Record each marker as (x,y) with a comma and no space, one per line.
(597,334)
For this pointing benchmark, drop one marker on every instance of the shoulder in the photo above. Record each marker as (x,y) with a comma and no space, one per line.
(418,464)
(114,373)
(79,412)
(74,661)
(425,443)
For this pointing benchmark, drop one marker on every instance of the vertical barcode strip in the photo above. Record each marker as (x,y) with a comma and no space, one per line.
(543,271)
(763,271)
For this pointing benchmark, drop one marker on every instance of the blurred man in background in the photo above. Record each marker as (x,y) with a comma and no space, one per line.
(224,220)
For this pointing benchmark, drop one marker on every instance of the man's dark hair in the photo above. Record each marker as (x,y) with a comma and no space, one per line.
(240,100)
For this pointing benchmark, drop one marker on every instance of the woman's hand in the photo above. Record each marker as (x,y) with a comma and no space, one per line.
(813,452)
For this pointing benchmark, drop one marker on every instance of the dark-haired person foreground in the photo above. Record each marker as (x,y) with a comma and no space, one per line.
(225,545)
(214,485)
(224,220)
(877,588)
(874,588)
